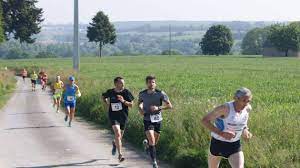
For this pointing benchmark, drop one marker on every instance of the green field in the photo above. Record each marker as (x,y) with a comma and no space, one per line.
(7,83)
(195,85)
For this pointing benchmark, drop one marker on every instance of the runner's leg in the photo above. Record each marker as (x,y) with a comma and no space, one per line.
(72,115)
(118,138)
(54,101)
(151,138)
(157,136)
(67,112)
(237,160)
(58,103)
(213,161)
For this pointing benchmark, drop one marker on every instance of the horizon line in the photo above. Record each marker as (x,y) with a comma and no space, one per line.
(69,23)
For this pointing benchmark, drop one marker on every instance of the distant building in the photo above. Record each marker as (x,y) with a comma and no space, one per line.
(273,52)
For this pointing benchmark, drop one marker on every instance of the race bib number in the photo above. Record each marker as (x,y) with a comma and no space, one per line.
(116,106)
(70,98)
(155,118)
(237,131)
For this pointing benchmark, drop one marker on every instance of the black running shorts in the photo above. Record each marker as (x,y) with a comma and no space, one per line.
(224,149)
(148,125)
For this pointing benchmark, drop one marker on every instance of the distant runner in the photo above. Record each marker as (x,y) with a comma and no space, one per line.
(24,74)
(150,107)
(57,92)
(34,78)
(230,124)
(118,100)
(71,91)
(40,75)
(44,80)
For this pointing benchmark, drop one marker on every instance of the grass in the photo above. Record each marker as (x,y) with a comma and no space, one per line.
(195,85)
(7,84)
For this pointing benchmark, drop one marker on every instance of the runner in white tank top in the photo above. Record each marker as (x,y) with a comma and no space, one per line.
(235,122)
(230,123)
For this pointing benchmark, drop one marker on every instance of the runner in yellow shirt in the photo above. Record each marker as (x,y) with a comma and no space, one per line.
(57,92)
(34,78)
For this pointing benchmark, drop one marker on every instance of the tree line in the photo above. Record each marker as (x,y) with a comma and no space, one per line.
(20,22)
(283,37)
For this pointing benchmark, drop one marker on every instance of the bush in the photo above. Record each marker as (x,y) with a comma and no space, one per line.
(193,158)
(173,52)
(45,55)
(16,53)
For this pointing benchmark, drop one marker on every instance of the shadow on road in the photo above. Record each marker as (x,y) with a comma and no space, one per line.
(31,92)
(37,127)
(27,113)
(77,164)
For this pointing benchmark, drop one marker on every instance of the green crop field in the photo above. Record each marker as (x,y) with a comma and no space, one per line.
(195,85)
(7,83)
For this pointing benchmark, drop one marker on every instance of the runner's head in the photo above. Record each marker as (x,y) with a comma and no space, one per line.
(119,82)
(151,82)
(57,78)
(243,97)
(72,80)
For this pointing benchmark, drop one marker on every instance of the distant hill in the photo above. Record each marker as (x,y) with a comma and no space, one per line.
(133,38)
(162,25)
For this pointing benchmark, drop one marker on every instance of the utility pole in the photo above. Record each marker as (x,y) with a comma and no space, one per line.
(76,56)
(170,40)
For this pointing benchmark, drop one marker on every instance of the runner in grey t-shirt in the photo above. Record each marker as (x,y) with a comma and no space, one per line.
(153,98)
(151,105)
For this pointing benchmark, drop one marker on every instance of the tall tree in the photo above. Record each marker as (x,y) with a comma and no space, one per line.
(254,41)
(217,40)
(285,37)
(2,38)
(101,31)
(22,19)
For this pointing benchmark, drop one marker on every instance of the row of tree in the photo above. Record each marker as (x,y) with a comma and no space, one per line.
(217,40)
(125,45)
(21,20)
(283,37)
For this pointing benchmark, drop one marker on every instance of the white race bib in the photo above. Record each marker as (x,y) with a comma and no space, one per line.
(70,98)
(238,132)
(155,118)
(116,106)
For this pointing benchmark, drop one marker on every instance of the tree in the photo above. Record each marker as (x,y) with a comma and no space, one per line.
(172,52)
(16,53)
(285,37)
(217,40)
(2,38)
(101,31)
(254,41)
(22,19)
(45,55)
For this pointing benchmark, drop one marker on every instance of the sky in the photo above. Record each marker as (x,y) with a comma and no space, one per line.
(61,11)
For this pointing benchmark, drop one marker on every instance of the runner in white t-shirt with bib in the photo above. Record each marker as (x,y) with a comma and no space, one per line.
(230,124)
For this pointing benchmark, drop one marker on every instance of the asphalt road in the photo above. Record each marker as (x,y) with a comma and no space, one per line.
(32,135)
